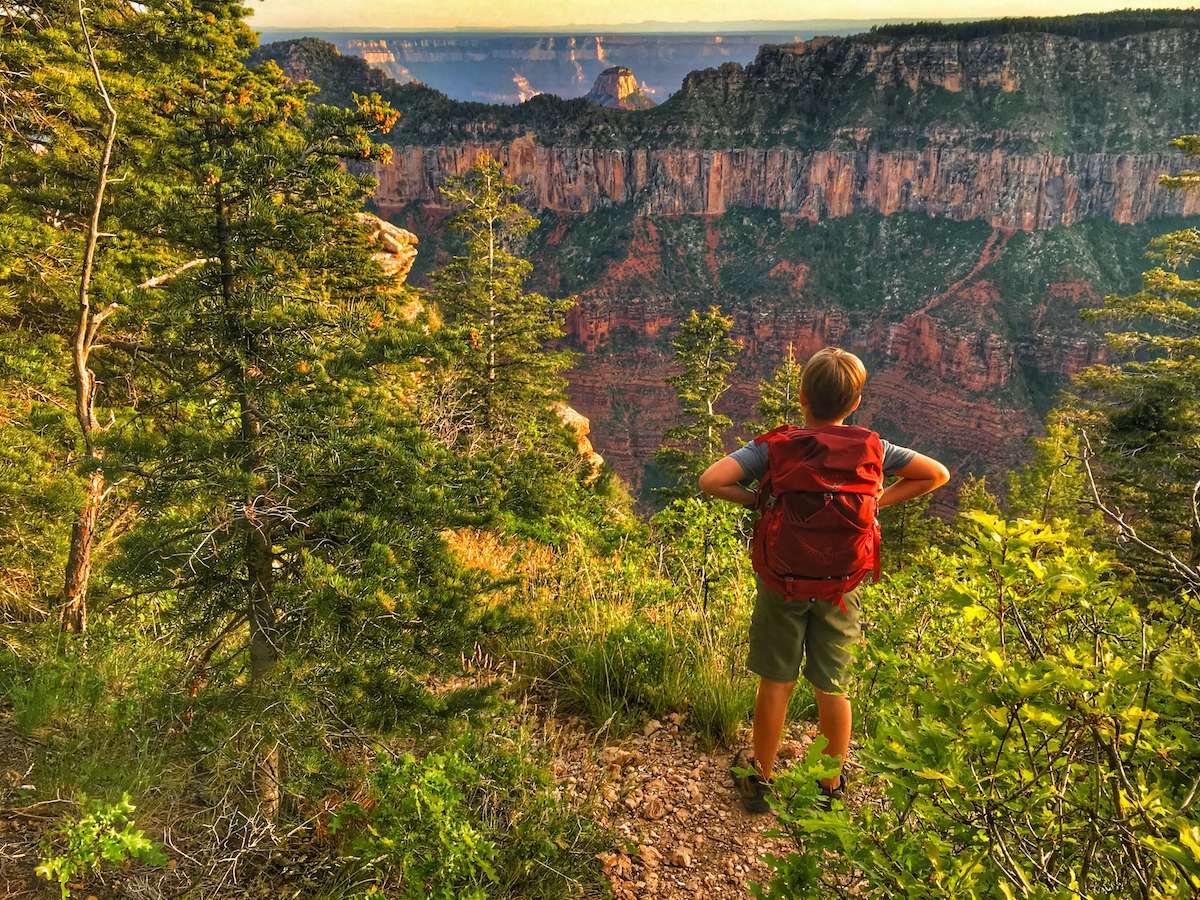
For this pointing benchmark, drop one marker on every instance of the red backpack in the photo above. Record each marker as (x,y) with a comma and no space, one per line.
(817,535)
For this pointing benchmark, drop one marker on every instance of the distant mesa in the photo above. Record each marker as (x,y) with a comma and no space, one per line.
(617,88)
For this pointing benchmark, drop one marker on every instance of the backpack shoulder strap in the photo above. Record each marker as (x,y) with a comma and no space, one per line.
(774,440)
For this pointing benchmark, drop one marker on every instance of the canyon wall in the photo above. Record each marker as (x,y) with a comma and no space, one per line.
(957,391)
(1006,190)
(944,206)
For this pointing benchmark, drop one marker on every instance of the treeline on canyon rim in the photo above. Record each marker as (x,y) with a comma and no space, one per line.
(268,516)
(1100,26)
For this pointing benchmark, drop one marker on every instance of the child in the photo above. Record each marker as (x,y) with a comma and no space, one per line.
(815,619)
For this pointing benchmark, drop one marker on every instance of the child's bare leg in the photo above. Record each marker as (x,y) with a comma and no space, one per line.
(834,718)
(770,710)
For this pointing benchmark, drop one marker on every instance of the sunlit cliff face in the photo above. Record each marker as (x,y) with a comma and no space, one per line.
(617,88)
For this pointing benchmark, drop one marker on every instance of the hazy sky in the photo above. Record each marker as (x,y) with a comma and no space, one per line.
(402,14)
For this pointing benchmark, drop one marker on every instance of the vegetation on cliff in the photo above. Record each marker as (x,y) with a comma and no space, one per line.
(1089,26)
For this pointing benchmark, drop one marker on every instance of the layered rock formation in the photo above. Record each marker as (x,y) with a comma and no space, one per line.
(1021,131)
(617,88)
(1006,190)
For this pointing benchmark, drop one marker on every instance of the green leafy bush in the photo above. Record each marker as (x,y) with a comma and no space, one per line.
(104,836)
(620,674)
(1031,731)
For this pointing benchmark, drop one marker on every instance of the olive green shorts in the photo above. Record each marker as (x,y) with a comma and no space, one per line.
(784,633)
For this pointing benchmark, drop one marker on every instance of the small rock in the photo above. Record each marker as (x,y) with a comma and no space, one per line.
(791,750)
(657,785)
(680,856)
(649,855)
(652,726)
(654,808)
(617,757)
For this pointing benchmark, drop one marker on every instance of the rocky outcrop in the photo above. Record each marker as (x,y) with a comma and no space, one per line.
(578,425)
(398,246)
(1006,190)
(617,88)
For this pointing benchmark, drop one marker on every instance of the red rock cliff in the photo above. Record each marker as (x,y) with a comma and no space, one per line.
(1004,189)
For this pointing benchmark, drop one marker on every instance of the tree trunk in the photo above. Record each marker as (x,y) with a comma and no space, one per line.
(264,654)
(79,561)
(258,527)
(260,580)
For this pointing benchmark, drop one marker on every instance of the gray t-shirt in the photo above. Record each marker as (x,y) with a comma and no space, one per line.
(753,459)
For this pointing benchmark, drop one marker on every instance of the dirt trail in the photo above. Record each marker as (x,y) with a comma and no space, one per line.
(992,248)
(681,832)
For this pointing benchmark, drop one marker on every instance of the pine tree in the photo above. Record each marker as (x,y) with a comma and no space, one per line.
(53,126)
(269,441)
(779,398)
(974,495)
(1143,415)
(909,530)
(705,356)
(505,376)
(1052,485)
(74,122)
(37,435)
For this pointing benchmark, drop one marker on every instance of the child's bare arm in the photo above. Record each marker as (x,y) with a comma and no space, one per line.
(721,481)
(920,475)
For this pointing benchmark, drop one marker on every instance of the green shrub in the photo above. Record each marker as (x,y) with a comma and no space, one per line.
(1031,732)
(619,675)
(648,621)
(104,836)
(478,818)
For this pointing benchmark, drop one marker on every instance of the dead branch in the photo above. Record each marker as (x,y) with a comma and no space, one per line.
(1189,574)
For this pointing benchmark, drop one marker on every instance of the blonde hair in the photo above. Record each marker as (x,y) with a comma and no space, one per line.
(832,382)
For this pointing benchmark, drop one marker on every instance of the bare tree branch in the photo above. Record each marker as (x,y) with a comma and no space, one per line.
(1127,531)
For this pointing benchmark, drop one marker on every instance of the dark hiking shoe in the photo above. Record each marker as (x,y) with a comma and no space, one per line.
(829,794)
(751,786)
